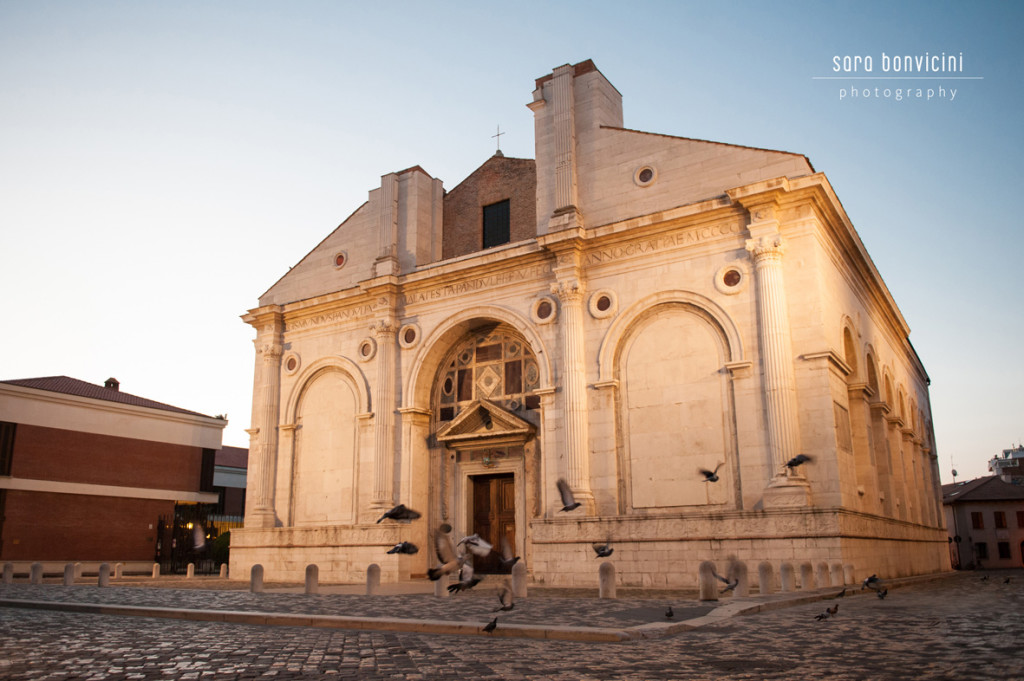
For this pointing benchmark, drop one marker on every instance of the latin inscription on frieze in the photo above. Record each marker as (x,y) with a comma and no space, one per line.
(469,285)
(668,241)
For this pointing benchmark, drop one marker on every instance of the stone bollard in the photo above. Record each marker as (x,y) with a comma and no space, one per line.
(223,570)
(8,573)
(78,570)
(806,576)
(441,587)
(104,575)
(118,570)
(708,583)
(372,579)
(519,579)
(190,571)
(36,574)
(606,580)
(848,574)
(821,575)
(742,589)
(69,574)
(788,577)
(156,570)
(256,579)
(836,574)
(312,579)
(765,578)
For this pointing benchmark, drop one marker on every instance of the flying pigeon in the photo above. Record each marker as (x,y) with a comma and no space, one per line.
(491,626)
(669,614)
(731,580)
(871,582)
(199,538)
(400,512)
(404,547)
(505,597)
(710,476)
(797,460)
(476,545)
(466,580)
(507,557)
(603,550)
(568,500)
(448,560)
(882,594)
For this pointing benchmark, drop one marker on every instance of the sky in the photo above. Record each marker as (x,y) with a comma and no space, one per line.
(163,164)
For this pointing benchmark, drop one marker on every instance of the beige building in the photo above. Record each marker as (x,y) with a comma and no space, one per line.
(620,311)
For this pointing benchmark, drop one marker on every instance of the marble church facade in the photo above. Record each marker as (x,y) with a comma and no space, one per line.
(620,311)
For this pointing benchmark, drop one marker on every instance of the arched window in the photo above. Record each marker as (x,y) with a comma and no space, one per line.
(494,363)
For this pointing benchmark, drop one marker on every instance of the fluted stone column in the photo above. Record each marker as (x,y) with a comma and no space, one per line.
(570,293)
(776,348)
(263,435)
(385,332)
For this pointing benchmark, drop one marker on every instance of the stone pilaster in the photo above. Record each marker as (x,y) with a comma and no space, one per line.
(767,250)
(570,290)
(266,404)
(387,228)
(385,332)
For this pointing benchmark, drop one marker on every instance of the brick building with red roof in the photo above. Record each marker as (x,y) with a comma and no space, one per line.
(88,472)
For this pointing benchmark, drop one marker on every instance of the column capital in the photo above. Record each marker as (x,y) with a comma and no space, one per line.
(768,246)
(569,290)
(384,328)
(269,351)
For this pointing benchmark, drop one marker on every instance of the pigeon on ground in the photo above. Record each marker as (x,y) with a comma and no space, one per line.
(448,560)
(710,476)
(491,626)
(404,547)
(476,545)
(603,550)
(505,597)
(871,582)
(833,611)
(568,500)
(1006,581)
(797,460)
(400,512)
(507,557)
(842,593)
(731,580)
(882,594)
(669,614)
(822,616)
(985,578)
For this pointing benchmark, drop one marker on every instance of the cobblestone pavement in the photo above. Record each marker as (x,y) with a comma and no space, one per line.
(955,628)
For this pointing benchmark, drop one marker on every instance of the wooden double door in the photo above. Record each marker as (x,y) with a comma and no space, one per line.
(494,517)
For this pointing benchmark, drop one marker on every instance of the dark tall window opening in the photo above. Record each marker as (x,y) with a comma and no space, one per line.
(497,221)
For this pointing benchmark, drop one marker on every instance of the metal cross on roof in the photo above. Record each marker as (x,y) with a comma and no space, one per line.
(498,138)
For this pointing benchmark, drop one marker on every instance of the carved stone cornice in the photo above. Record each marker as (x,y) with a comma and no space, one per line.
(270,352)
(833,358)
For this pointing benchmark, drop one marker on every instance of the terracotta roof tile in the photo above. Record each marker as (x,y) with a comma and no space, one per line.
(72,386)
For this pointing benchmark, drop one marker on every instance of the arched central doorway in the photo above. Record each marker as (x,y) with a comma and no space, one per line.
(485,413)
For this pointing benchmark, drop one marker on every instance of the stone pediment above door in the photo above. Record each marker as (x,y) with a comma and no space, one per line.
(484,423)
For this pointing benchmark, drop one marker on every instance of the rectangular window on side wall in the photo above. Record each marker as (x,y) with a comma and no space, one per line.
(1020,518)
(1000,519)
(982,549)
(976,520)
(1004,550)
(497,224)
(7,431)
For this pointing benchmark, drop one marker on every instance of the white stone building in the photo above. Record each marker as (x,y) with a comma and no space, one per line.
(621,311)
